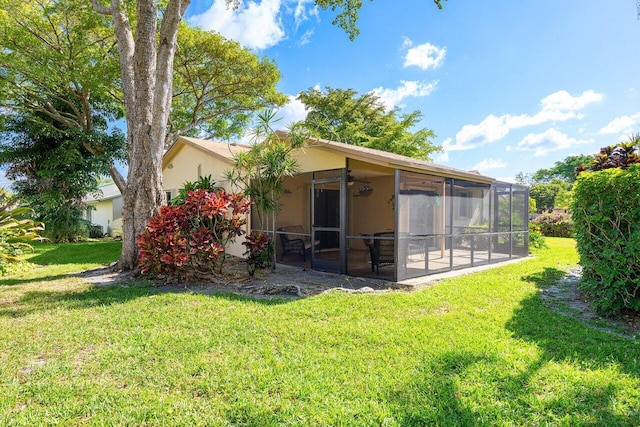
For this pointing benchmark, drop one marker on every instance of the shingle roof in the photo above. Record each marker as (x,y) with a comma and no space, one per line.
(222,150)
(105,192)
(226,151)
(393,160)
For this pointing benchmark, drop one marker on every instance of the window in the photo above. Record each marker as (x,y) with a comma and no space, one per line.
(167,195)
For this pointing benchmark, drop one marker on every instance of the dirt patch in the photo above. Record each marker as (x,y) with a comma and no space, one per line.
(284,281)
(566,298)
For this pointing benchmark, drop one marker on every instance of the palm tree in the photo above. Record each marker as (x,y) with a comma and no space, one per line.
(259,172)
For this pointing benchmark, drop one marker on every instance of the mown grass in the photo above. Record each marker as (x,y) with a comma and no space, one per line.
(480,349)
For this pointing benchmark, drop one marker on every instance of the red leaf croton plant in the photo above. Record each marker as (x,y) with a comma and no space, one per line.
(187,241)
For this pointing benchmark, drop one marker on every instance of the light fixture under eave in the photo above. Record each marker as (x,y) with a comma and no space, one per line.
(365,190)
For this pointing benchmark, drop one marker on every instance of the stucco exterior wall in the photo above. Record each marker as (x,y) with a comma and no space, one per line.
(188,165)
(311,159)
(371,214)
(102,214)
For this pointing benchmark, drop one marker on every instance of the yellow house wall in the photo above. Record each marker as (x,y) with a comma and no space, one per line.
(185,164)
(184,168)
(371,214)
(311,159)
(295,202)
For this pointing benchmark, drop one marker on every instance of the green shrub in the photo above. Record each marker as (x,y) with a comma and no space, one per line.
(95,231)
(536,239)
(555,224)
(66,224)
(606,212)
(203,183)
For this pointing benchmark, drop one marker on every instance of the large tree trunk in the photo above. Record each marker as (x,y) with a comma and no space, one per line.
(147,72)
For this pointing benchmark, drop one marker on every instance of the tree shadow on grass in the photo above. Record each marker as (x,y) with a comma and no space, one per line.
(95,296)
(463,389)
(567,383)
(433,397)
(563,339)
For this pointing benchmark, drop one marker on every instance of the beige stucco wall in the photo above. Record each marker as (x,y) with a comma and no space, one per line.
(311,159)
(184,167)
(295,202)
(371,214)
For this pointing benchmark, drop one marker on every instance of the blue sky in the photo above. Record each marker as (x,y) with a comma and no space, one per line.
(507,86)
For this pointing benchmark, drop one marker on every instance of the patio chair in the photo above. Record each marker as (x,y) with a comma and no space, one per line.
(295,242)
(368,242)
(382,251)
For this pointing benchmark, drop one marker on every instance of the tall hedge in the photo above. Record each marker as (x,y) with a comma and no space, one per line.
(606,213)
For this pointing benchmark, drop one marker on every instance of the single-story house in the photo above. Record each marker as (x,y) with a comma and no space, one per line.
(369,213)
(105,209)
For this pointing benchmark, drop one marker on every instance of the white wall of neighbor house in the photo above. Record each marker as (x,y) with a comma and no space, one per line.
(107,214)
(189,164)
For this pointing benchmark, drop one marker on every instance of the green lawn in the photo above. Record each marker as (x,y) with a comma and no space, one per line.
(480,349)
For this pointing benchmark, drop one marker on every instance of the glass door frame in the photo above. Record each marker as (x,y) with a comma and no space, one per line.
(319,263)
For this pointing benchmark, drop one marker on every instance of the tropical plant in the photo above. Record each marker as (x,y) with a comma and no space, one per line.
(189,241)
(621,155)
(259,251)
(536,239)
(260,171)
(203,183)
(17,229)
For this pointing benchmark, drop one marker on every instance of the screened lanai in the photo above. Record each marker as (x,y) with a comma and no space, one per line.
(367,213)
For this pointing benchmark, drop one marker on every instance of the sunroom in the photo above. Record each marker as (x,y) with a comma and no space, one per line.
(367,213)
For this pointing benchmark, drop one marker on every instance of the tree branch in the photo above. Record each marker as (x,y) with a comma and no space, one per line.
(104,10)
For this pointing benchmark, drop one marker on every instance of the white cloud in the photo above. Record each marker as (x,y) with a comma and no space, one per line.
(621,125)
(293,111)
(306,38)
(303,12)
(255,25)
(558,107)
(488,164)
(443,156)
(392,97)
(424,56)
(564,101)
(551,140)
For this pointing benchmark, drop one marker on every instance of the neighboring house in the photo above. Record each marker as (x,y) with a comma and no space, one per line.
(371,213)
(105,209)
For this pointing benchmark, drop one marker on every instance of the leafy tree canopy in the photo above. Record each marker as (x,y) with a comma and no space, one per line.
(545,194)
(563,170)
(341,115)
(347,16)
(218,85)
(60,59)
(53,170)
